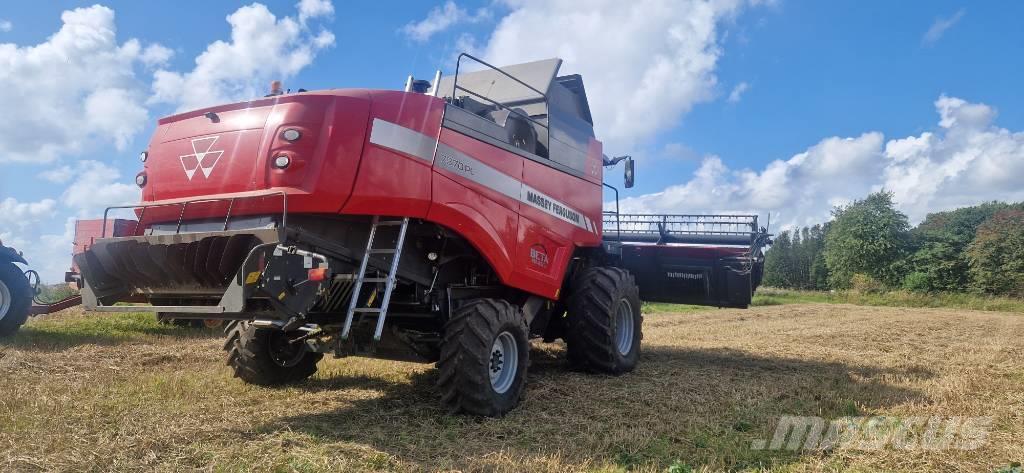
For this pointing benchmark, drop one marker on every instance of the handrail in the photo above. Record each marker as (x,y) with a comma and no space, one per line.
(184,204)
(543,95)
(618,220)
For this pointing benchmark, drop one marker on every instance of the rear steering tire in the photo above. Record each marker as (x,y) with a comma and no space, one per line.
(266,356)
(604,324)
(484,357)
(15,299)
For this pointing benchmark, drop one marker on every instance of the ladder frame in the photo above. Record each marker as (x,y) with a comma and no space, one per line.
(389,281)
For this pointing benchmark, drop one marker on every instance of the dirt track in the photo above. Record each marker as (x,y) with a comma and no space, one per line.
(84,393)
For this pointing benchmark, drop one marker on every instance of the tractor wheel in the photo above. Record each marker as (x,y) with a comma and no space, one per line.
(15,299)
(604,322)
(267,357)
(484,357)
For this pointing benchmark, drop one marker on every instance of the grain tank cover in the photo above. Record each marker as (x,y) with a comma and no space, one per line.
(499,87)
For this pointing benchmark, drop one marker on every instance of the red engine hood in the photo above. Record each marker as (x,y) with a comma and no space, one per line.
(231,148)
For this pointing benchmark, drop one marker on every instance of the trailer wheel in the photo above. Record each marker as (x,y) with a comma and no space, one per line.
(267,357)
(603,330)
(15,299)
(484,357)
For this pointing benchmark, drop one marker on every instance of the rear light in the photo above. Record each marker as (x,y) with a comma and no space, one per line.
(282,162)
(141,179)
(291,135)
(143,156)
(317,274)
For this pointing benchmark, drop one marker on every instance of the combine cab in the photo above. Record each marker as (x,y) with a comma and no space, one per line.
(449,223)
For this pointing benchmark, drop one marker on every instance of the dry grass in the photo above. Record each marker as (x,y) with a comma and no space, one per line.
(87,393)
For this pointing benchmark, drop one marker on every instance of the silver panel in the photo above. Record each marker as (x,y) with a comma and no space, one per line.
(462,164)
(399,138)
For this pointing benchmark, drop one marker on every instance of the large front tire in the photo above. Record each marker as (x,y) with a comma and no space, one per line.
(266,357)
(484,357)
(15,299)
(604,324)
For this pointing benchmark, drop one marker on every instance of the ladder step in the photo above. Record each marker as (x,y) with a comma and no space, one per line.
(403,225)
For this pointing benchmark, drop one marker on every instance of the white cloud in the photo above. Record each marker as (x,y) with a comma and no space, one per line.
(262,48)
(57,175)
(44,230)
(441,18)
(49,254)
(645,63)
(77,88)
(24,226)
(313,9)
(15,214)
(6,25)
(940,26)
(737,92)
(96,186)
(966,160)
(156,55)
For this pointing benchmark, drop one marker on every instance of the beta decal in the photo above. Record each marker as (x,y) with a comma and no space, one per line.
(539,256)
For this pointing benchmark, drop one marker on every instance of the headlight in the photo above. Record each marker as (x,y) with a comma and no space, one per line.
(282,162)
(291,134)
(140,179)
(143,156)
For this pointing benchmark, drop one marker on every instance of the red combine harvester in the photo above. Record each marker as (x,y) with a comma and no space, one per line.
(450,223)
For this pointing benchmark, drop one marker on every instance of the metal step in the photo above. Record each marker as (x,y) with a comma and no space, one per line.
(389,281)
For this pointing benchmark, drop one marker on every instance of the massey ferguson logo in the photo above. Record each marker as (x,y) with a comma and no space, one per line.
(203,157)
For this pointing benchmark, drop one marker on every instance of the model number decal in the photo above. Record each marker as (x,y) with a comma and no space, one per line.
(455,164)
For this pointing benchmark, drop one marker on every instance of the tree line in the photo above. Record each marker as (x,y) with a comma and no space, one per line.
(870,245)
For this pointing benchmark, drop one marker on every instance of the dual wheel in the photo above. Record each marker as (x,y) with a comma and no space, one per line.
(485,351)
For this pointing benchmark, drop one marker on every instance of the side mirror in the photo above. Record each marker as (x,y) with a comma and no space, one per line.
(629,176)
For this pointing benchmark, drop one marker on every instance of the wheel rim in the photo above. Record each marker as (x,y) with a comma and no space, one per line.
(284,353)
(5,300)
(504,362)
(624,327)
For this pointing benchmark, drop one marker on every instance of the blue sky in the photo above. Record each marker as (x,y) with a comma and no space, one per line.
(781,106)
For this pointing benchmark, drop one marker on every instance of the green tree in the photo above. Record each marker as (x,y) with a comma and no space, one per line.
(777,261)
(818,275)
(795,259)
(996,255)
(939,260)
(867,237)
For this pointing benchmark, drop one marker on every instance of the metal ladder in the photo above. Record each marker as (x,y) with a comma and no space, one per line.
(389,281)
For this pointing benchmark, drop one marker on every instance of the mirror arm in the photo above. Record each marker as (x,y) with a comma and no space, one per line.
(616,160)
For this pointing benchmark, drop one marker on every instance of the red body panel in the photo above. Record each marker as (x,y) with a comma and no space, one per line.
(376,153)
(88,231)
(391,182)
